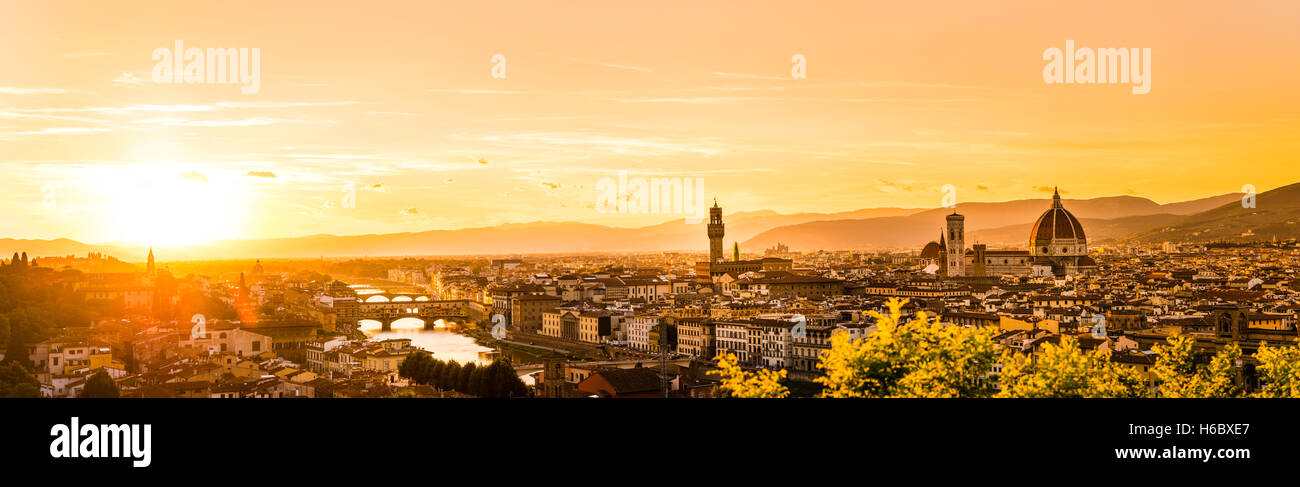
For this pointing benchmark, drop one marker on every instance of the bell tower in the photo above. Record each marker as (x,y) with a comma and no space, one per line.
(956,248)
(553,375)
(715,231)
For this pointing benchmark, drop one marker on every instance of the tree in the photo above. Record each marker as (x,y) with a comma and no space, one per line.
(505,381)
(432,373)
(1178,375)
(462,380)
(100,385)
(4,325)
(403,393)
(913,359)
(15,381)
(1066,371)
(413,366)
(16,350)
(1279,371)
(738,383)
(447,379)
(476,381)
(491,385)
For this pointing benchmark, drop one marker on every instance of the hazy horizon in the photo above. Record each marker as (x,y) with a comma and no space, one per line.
(667,220)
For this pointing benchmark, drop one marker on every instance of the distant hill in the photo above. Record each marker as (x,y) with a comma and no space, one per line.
(1004,217)
(1000,224)
(61,247)
(1276,213)
(1096,229)
(542,237)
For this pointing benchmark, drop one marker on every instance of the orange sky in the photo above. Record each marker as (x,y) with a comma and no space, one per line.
(399,103)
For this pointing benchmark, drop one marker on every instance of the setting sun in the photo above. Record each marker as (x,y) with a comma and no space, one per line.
(146,207)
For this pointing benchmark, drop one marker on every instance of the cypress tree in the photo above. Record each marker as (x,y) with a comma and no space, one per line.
(16,351)
(450,374)
(476,381)
(462,382)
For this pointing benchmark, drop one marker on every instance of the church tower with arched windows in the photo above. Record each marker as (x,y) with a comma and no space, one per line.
(956,245)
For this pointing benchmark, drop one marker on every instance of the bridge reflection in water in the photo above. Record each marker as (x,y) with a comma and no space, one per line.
(437,338)
(405,323)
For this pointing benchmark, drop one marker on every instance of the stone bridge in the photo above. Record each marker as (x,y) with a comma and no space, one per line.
(389,307)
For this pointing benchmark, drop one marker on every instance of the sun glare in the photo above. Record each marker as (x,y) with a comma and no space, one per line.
(163,208)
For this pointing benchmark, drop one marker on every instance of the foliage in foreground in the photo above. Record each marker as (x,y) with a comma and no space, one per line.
(1177,373)
(1279,371)
(913,359)
(738,383)
(1064,370)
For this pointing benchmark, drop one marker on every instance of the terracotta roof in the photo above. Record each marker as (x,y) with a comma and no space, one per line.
(625,381)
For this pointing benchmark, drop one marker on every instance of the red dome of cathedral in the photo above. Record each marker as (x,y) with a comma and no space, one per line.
(932,251)
(1057,232)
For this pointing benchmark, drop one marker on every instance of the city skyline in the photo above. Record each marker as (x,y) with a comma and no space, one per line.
(99,152)
(760,229)
(739,211)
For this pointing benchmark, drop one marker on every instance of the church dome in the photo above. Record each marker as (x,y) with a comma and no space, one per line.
(1057,223)
(932,251)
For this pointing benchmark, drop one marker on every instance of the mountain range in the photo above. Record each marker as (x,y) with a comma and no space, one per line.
(999,224)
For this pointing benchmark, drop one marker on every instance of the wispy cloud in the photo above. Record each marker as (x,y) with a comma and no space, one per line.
(470,91)
(907,100)
(130,80)
(723,74)
(61,131)
(392,114)
(626,67)
(581,142)
(10,114)
(12,90)
(244,122)
(689,100)
(75,55)
(282,104)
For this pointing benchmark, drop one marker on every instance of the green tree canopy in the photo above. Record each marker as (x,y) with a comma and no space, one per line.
(100,384)
(1064,370)
(1279,371)
(1179,375)
(15,381)
(736,382)
(914,359)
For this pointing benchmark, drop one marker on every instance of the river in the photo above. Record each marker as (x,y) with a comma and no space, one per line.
(442,342)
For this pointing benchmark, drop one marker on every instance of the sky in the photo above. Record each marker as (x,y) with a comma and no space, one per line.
(383,117)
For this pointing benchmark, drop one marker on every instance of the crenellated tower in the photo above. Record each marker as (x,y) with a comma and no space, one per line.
(715,232)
